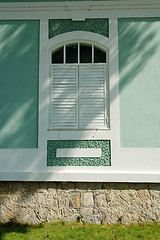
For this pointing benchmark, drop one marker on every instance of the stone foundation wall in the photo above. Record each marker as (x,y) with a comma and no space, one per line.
(35,202)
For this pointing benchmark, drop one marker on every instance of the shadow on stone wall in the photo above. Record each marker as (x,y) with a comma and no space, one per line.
(35,202)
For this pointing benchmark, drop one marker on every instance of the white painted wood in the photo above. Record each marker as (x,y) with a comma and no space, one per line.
(63,107)
(78,52)
(92,96)
(64,53)
(79,36)
(78,152)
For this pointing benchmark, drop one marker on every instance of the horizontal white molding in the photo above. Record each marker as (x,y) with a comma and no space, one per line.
(137,177)
(78,152)
(72,9)
(78,5)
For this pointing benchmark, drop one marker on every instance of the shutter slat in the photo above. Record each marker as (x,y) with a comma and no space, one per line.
(59,95)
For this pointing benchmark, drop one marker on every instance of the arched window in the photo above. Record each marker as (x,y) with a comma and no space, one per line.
(79,87)
(78,53)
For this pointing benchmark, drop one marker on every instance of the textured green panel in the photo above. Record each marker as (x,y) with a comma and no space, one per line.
(19,53)
(52,145)
(139,68)
(95,25)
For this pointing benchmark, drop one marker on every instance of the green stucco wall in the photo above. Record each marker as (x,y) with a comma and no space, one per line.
(95,25)
(52,146)
(19,50)
(139,69)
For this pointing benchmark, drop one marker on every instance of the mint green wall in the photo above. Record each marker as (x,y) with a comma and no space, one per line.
(139,69)
(19,47)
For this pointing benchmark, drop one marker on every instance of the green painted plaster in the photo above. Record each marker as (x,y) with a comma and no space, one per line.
(105,159)
(95,25)
(19,50)
(139,68)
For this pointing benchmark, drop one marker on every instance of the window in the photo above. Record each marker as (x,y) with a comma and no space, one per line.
(78,87)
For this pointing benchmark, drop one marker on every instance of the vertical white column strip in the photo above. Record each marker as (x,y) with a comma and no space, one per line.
(114,89)
(44,60)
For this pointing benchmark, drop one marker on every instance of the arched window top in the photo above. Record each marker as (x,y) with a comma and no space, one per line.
(78,52)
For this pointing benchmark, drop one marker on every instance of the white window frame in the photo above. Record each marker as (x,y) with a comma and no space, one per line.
(78,64)
(127,165)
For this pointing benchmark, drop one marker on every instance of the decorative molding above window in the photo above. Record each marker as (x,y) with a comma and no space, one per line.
(94,25)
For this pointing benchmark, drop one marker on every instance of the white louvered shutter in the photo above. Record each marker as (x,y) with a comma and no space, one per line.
(64,80)
(92,99)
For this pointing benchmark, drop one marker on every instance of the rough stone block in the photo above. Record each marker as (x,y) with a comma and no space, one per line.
(82,186)
(95,186)
(51,185)
(54,214)
(18,187)
(87,199)
(75,199)
(86,214)
(63,199)
(70,214)
(101,200)
(50,201)
(36,187)
(68,186)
